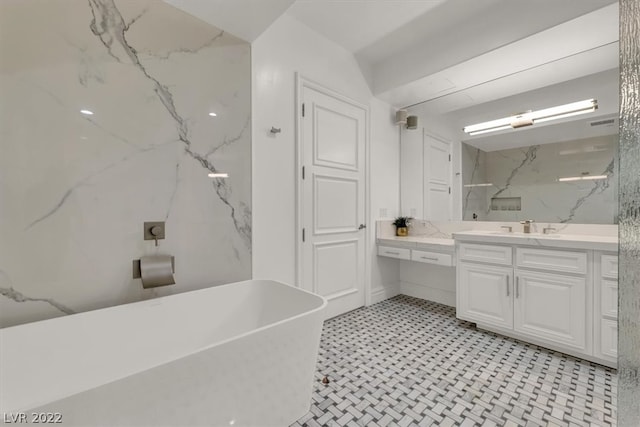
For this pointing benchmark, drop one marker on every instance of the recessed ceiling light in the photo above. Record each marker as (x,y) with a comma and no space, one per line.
(87,112)
(212,114)
(218,175)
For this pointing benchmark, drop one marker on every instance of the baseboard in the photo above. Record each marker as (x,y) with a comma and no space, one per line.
(431,294)
(383,293)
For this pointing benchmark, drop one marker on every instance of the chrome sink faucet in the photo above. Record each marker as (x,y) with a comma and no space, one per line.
(527,225)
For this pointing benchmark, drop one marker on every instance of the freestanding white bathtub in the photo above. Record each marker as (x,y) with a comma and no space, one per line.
(237,354)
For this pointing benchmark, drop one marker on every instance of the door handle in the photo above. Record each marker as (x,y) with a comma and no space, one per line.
(362,226)
(507,285)
(517,286)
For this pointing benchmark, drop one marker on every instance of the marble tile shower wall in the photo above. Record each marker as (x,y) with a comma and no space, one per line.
(532,173)
(75,189)
(474,172)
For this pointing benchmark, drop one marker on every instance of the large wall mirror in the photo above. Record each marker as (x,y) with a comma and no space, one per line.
(562,170)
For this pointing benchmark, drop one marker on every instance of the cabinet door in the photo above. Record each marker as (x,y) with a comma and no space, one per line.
(485,294)
(551,307)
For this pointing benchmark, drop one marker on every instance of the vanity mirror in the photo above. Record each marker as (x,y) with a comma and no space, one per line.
(565,172)
(562,170)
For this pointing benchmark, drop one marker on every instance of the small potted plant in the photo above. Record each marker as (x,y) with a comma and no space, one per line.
(402,225)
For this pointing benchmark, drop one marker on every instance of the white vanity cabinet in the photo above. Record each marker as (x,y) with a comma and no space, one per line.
(536,294)
(551,307)
(424,250)
(484,294)
(552,296)
(605,306)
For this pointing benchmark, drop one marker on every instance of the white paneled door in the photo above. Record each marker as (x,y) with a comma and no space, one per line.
(332,193)
(437,166)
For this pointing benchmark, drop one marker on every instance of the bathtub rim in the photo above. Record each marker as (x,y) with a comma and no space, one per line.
(324,302)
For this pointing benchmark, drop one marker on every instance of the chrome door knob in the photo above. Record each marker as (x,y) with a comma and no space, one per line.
(362,226)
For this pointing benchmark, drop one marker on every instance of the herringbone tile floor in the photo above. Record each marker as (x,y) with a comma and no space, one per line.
(410,362)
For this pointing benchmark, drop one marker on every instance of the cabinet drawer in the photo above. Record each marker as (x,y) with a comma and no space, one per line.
(609,338)
(547,259)
(609,298)
(391,252)
(432,257)
(609,266)
(486,253)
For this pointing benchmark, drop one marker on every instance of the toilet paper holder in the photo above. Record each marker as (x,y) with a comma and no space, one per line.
(137,273)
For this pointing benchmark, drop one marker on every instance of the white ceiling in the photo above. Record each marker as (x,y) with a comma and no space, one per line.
(468,61)
(246,19)
(356,24)
(457,59)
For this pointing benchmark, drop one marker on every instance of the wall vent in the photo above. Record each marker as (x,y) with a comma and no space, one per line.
(603,122)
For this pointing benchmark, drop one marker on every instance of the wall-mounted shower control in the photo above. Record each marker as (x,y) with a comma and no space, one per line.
(154,230)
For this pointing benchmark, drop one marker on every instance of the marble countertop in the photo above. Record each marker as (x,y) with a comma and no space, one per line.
(568,241)
(418,242)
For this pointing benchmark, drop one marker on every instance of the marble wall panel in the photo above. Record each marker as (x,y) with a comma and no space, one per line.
(75,189)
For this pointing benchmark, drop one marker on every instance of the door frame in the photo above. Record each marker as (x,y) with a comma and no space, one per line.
(301,83)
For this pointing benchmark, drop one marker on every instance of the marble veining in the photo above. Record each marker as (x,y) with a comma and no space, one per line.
(529,157)
(76,188)
(598,187)
(16,296)
(533,175)
(12,294)
(472,178)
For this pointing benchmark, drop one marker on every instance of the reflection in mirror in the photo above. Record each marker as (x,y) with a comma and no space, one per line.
(559,171)
(565,182)
(562,171)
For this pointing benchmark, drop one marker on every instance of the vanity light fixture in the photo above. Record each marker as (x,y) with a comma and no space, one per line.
(87,112)
(532,117)
(583,178)
(487,184)
(218,175)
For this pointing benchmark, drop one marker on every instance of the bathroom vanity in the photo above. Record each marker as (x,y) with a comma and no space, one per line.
(555,290)
(559,291)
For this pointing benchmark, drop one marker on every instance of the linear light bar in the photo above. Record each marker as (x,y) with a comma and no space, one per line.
(488,184)
(532,117)
(583,178)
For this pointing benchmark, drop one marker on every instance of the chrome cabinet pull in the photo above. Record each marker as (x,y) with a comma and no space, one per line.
(507,285)
(430,259)
(517,286)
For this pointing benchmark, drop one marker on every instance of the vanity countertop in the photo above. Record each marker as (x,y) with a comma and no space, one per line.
(418,242)
(568,241)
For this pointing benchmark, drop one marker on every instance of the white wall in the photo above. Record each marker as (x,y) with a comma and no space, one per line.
(283,49)
(385,193)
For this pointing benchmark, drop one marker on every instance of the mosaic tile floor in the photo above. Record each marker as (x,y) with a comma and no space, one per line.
(410,362)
